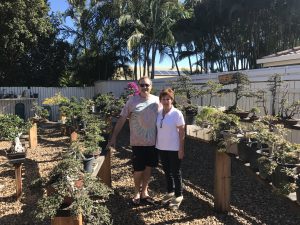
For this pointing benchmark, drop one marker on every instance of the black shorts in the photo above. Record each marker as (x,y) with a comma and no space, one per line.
(143,156)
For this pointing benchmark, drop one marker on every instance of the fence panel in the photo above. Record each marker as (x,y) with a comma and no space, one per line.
(44,92)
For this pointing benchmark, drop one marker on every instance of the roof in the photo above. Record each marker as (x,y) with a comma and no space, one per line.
(282,58)
(291,51)
(166,72)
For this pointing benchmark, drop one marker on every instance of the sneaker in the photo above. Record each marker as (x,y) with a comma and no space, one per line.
(175,202)
(167,198)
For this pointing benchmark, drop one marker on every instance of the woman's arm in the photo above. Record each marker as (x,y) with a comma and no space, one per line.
(181,141)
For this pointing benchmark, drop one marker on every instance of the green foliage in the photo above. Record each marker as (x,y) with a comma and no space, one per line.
(184,86)
(30,52)
(11,125)
(108,105)
(39,111)
(57,99)
(219,123)
(212,89)
(266,166)
(206,115)
(87,194)
(240,90)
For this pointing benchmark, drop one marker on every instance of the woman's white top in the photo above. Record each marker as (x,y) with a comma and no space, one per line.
(167,131)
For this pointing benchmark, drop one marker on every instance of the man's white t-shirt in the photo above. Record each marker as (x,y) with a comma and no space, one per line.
(167,131)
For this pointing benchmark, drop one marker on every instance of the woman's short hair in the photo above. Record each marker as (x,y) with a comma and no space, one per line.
(167,91)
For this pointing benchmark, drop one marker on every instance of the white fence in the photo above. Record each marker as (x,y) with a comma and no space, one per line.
(258,78)
(44,92)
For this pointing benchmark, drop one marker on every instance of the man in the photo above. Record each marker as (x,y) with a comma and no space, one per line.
(142,111)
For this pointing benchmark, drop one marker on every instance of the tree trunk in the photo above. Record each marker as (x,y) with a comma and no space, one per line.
(173,54)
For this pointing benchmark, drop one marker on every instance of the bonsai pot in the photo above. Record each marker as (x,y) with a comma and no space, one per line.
(88,161)
(263,166)
(12,155)
(245,149)
(279,177)
(242,115)
(256,153)
(291,122)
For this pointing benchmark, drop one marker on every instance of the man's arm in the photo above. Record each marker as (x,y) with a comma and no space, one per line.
(119,125)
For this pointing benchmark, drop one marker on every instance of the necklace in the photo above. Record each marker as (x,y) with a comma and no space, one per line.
(165,111)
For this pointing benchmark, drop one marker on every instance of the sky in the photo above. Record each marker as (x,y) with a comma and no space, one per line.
(62,5)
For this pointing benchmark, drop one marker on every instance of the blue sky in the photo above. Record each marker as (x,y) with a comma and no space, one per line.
(62,5)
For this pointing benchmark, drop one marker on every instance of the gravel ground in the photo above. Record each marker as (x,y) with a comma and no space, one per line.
(251,202)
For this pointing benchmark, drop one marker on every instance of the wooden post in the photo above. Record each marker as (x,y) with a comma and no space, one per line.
(18,177)
(222,184)
(67,220)
(33,136)
(73,136)
(105,170)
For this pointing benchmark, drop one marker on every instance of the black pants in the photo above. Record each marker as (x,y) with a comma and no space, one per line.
(171,166)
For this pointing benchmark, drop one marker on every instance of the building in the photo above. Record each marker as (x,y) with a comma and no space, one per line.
(283,58)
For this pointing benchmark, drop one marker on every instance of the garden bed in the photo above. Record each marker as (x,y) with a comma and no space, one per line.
(251,201)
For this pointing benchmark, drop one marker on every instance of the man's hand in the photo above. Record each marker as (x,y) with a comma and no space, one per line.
(111,143)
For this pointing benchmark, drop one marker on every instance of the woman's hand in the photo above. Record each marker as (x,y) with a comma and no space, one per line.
(180,154)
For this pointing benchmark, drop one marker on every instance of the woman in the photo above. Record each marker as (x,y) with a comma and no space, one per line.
(170,143)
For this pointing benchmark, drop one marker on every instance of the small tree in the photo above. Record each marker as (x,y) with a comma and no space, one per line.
(241,89)
(275,84)
(11,126)
(212,89)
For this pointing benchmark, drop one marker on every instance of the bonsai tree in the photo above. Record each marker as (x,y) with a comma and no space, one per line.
(220,122)
(78,192)
(40,113)
(108,105)
(255,111)
(91,136)
(212,89)
(12,126)
(265,166)
(184,86)
(57,99)
(289,111)
(241,90)
(275,85)
(205,116)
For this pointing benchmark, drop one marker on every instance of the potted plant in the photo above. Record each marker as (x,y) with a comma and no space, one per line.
(211,89)
(254,111)
(266,167)
(89,141)
(40,113)
(287,160)
(225,128)
(287,112)
(11,129)
(74,191)
(241,90)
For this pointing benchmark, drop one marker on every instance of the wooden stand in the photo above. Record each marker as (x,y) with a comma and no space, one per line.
(222,186)
(33,136)
(105,169)
(67,220)
(18,177)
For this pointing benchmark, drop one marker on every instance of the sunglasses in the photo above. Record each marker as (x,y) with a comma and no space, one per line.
(144,85)
(161,121)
